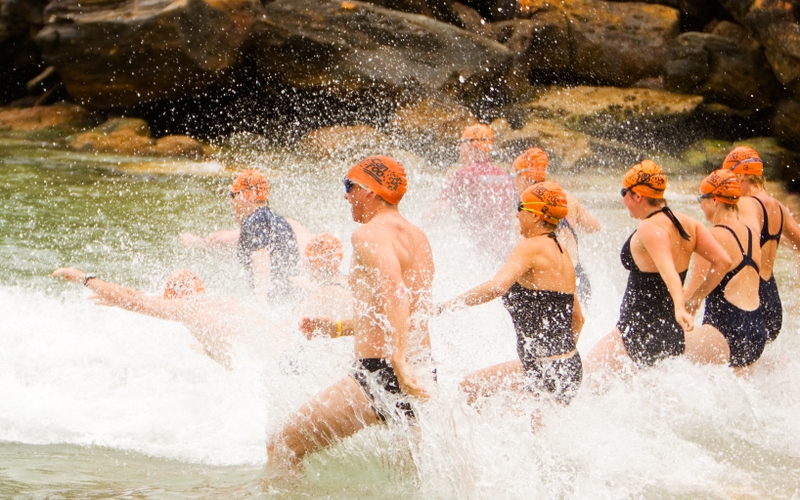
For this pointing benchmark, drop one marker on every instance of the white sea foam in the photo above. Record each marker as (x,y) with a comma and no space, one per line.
(71,372)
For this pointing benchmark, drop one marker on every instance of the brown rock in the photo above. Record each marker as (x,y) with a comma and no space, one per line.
(774,25)
(123,142)
(432,126)
(726,66)
(567,149)
(52,123)
(645,117)
(786,123)
(320,45)
(182,146)
(59,118)
(592,41)
(114,53)
(137,125)
(131,136)
(782,42)
(338,141)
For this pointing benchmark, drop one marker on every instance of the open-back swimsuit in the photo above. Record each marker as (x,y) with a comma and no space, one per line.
(768,289)
(647,315)
(582,285)
(745,331)
(543,323)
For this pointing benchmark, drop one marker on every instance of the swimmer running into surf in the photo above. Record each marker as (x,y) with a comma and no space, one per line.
(328,306)
(266,243)
(480,193)
(653,315)
(537,286)
(733,330)
(213,321)
(531,167)
(763,212)
(390,278)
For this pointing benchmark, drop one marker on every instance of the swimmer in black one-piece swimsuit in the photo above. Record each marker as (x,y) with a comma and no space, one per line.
(647,322)
(543,323)
(745,331)
(768,289)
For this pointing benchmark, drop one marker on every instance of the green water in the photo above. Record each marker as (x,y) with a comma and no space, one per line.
(65,208)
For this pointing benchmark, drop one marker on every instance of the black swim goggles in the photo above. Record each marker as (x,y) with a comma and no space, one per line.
(627,190)
(704,197)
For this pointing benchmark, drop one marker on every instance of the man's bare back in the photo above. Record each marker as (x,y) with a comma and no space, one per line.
(402,250)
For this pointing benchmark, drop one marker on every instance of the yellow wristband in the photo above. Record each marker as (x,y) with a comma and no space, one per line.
(338,329)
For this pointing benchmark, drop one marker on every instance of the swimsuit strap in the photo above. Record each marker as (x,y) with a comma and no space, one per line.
(765,235)
(553,237)
(564,223)
(741,248)
(666,211)
(747,258)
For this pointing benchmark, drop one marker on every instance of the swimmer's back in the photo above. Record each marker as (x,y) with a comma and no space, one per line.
(664,232)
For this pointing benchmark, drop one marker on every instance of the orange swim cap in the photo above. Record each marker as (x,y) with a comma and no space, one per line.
(251,185)
(182,284)
(480,136)
(532,164)
(384,176)
(744,160)
(546,199)
(325,252)
(647,179)
(723,185)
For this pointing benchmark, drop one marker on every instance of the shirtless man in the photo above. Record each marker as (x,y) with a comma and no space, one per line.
(764,213)
(653,318)
(266,243)
(213,321)
(390,278)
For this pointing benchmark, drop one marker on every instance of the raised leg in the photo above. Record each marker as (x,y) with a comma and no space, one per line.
(706,345)
(488,381)
(337,412)
(609,355)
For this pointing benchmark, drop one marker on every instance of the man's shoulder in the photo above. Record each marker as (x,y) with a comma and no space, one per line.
(384,228)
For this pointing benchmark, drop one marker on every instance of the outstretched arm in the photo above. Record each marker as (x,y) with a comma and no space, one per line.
(583,220)
(223,241)
(331,327)
(518,263)
(112,294)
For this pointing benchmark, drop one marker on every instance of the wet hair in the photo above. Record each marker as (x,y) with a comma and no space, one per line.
(655,202)
(757,180)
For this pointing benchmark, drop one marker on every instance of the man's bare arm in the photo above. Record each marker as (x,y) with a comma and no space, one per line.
(331,327)
(223,241)
(113,294)
(377,254)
